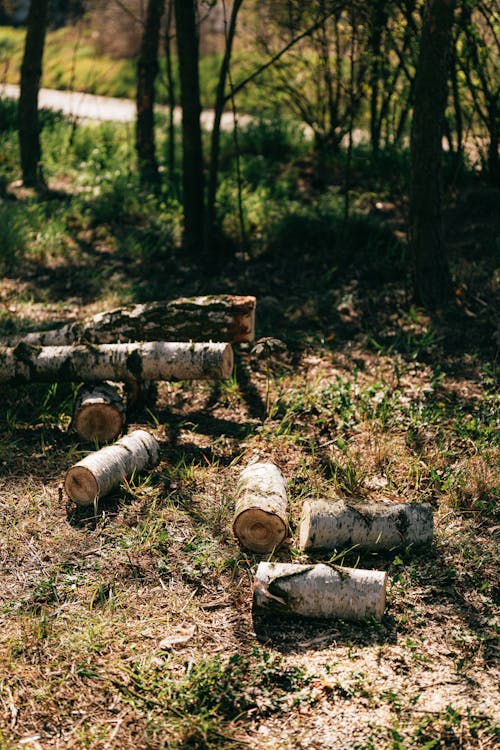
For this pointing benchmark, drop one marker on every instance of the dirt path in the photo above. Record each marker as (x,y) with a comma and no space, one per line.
(106,108)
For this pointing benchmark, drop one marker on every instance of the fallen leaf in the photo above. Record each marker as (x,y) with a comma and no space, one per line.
(177,638)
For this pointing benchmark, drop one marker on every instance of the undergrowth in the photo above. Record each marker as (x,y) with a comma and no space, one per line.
(130,624)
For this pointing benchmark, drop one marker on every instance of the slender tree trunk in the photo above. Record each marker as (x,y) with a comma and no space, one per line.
(192,156)
(147,70)
(378,21)
(170,93)
(31,73)
(493,146)
(220,101)
(432,281)
(457,105)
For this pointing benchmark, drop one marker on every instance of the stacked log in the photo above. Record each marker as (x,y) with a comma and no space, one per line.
(323,591)
(156,360)
(99,412)
(225,318)
(100,472)
(260,518)
(331,524)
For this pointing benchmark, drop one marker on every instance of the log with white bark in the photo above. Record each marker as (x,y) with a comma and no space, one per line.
(260,519)
(98,473)
(99,412)
(320,590)
(155,360)
(223,317)
(330,524)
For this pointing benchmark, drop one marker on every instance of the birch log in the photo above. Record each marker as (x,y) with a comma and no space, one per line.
(320,590)
(98,412)
(330,524)
(155,360)
(100,472)
(260,519)
(223,317)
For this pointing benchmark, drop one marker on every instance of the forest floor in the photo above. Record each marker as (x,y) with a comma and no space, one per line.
(132,627)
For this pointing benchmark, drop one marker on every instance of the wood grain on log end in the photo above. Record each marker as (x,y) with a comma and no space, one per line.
(259,530)
(99,412)
(81,486)
(100,422)
(243,327)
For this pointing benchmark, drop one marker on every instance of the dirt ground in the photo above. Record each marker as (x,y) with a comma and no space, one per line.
(130,625)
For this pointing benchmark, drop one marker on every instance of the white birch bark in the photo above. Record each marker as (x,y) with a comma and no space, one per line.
(330,524)
(260,519)
(98,412)
(155,360)
(223,317)
(98,473)
(320,590)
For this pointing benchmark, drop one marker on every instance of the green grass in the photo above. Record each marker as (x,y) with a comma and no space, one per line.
(350,388)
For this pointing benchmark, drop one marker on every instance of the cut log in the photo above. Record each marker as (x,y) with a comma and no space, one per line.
(320,590)
(98,473)
(330,524)
(225,317)
(156,360)
(260,518)
(98,412)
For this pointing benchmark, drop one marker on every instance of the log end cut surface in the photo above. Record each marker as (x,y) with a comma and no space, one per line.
(259,530)
(101,422)
(80,485)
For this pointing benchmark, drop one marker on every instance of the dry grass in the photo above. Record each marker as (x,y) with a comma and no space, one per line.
(132,627)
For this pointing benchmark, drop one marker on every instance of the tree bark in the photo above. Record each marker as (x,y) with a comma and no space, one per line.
(260,518)
(320,591)
(327,524)
(170,93)
(192,155)
(222,317)
(156,360)
(220,101)
(432,280)
(31,73)
(147,70)
(98,473)
(98,412)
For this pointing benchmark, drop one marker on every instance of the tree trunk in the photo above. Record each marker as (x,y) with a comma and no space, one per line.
(155,360)
(432,281)
(31,73)
(170,93)
(327,524)
(222,317)
(220,101)
(320,591)
(260,518)
(493,145)
(98,473)
(378,21)
(147,70)
(192,156)
(98,412)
